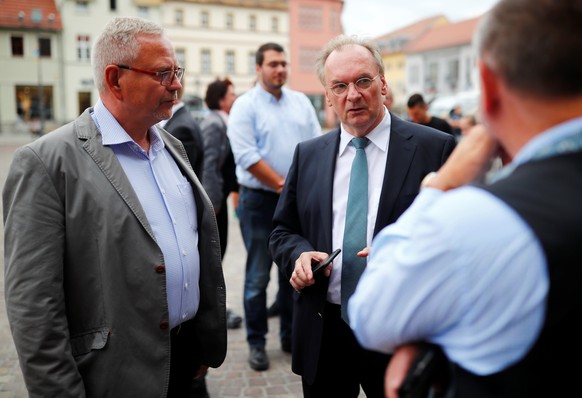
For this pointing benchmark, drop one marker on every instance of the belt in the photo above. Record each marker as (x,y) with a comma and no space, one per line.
(260,191)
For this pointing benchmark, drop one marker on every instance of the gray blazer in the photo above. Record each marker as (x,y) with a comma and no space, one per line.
(85,282)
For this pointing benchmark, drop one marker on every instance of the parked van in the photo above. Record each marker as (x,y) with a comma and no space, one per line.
(441,106)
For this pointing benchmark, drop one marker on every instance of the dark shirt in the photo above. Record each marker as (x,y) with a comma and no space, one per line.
(439,124)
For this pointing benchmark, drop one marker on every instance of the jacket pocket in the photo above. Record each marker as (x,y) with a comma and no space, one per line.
(86,342)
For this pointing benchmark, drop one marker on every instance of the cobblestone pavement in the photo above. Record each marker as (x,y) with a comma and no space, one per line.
(233,379)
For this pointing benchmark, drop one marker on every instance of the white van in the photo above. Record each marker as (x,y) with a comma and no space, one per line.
(441,106)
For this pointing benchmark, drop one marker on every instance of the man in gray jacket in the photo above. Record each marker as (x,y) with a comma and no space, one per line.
(114,286)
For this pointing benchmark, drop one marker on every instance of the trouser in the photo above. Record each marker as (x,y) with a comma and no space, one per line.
(344,365)
(185,360)
(255,212)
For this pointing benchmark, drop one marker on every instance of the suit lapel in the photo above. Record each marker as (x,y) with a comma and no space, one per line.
(107,162)
(109,165)
(324,182)
(400,154)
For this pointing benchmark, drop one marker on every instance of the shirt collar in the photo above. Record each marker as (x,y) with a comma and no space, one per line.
(114,134)
(267,95)
(379,136)
(548,138)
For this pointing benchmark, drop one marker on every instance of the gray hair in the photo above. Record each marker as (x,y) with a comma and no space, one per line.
(340,42)
(534,46)
(118,44)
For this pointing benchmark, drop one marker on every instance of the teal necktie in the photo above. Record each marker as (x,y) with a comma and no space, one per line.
(356,224)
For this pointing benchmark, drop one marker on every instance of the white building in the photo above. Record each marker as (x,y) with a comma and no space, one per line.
(83,20)
(220,38)
(213,38)
(442,61)
(45,49)
(30,64)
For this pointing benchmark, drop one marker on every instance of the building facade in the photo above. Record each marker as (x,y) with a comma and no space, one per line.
(30,58)
(46,48)
(313,24)
(442,61)
(393,46)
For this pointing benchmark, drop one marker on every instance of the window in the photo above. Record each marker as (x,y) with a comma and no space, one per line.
(229,21)
(84,100)
(28,99)
(82,6)
(432,76)
(453,73)
(468,70)
(143,12)
(252,62)
(44,47)
(181,57)
(205,64)
(414,74)
(274,24)
(204,19)
(311,18)
(17,44)
(178,17)
(83,48)
(252,23)
(229,60)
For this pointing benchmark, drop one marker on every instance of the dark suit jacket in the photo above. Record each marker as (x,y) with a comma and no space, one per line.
(183,126)
(303,218)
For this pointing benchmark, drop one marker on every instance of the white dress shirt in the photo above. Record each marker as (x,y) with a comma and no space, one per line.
(377,155)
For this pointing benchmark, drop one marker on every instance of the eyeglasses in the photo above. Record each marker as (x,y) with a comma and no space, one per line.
(167,76)
(360,85)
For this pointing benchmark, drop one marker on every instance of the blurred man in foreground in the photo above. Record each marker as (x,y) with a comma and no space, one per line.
(492,274)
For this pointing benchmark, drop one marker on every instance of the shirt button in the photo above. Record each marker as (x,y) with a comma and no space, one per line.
(183,252)
(184,316)
(160,268)
(186,285)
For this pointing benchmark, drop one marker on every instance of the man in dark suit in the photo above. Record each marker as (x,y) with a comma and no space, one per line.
(310,219)
(183,126)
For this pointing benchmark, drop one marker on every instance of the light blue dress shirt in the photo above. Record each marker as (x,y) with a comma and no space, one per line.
(462,270)
(260,127)
(168,201)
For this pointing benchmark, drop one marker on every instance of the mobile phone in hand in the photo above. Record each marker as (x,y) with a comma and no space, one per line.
(316,267)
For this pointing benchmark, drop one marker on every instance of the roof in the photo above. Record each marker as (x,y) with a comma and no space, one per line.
(28,13)
(451,35)
(394,41)
(266,4)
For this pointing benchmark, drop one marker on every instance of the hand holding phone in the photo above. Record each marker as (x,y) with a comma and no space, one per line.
(316,267)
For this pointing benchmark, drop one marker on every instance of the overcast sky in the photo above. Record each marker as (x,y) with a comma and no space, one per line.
(377,17)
